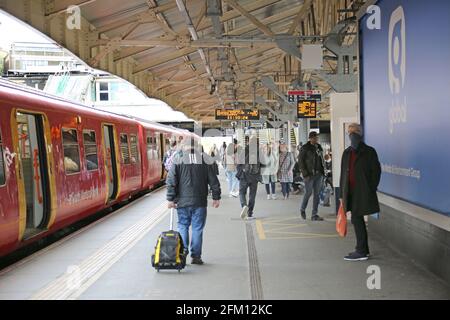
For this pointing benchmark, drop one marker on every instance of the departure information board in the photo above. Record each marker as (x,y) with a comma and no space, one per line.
(237,114)
(306,109)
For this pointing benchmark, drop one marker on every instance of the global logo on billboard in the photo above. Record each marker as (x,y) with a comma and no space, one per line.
(397,67)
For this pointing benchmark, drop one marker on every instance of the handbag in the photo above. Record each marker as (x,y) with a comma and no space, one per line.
(341,222)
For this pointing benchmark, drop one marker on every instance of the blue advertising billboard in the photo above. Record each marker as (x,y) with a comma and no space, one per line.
(405,98)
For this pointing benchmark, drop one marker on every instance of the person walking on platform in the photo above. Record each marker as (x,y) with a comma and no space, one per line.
(360,176)
(285,173)
(229,164)
(249,174)
(269,169)
(312,168)
(222,153)
(187,190)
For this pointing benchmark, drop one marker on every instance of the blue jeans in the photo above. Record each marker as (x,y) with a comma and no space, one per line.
(232,181)
(312,184)
(270,185)
(197,217)
(285,188)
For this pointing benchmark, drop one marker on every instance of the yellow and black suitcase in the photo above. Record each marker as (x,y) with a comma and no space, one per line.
(169,250)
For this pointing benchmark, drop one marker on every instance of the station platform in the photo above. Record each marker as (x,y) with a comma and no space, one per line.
(276,256)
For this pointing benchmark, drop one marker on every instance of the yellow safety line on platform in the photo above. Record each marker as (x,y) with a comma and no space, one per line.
(284,228)
(260,230)
(76,281)
(270,220)
(265,234)
(301,237)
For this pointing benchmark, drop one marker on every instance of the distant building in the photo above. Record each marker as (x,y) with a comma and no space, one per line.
(31,63)
(53,69)
(31,57)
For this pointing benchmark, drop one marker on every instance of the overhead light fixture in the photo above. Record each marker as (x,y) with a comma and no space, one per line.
(213,8)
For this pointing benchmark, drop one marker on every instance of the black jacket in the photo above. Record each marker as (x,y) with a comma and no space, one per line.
(249,166)
(367,177)
(308,159)
(187,181)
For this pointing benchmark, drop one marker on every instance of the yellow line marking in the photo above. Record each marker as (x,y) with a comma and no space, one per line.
(264,233)
(284,224)
(70,286)
(284,228)
(304,234)
(302,237)
(260,230)
(280,220)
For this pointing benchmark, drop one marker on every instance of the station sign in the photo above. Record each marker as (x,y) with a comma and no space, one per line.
(297,95)
(237,114)
(306,109)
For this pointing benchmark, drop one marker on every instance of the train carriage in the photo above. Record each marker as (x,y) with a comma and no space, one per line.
(60,162)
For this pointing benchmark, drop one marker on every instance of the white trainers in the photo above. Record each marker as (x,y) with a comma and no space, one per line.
(244,212)
(250,218)
(235,194)
(268,197)
(274,197)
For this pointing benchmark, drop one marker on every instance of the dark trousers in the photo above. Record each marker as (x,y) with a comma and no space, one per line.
(243,186)
(362,243)
(312,185)
(285,188)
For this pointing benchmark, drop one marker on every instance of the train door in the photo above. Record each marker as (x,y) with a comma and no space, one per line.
(110,162)
(34,171)
(165,147)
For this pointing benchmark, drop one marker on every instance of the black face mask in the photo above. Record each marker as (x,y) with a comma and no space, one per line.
(355,140)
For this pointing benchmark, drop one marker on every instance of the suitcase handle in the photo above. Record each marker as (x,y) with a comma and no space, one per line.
(171,218)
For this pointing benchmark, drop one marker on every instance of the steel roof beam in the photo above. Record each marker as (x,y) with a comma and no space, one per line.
(262,27)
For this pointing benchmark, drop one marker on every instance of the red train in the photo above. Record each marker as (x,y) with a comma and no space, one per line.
(61,162)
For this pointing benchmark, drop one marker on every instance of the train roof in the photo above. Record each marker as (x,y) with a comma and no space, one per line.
(74,104)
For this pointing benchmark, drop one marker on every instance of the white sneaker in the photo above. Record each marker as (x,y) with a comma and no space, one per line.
(244,212)
(268,197)
(250,218)
(235,194)
(274,197)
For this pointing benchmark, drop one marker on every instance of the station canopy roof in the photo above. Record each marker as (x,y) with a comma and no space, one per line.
(199,55)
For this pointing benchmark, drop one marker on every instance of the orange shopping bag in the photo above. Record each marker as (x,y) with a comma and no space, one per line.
(341,222)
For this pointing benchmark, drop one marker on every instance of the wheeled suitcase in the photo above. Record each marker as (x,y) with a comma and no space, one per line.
(169,250)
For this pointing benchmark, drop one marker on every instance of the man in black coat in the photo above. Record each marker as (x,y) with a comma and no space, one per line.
(360,176)
(313,169)
(187,190)
(249,175)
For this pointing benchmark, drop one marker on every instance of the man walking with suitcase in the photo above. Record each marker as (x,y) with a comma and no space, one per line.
(187,190)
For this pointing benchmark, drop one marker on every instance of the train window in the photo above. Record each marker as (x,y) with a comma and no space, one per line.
(90,149)
(2,164)
(103,90)
(149,147)
(71,151)
(157,142)
(124,148)
(134,149)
